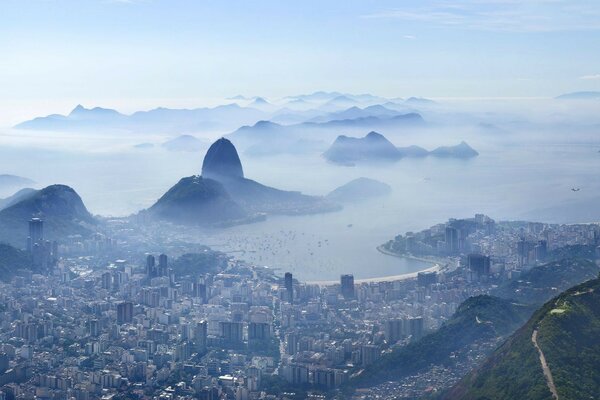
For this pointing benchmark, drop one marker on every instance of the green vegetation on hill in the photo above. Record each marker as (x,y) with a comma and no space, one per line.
(199,263)
(12,259)
(568,331)
(480,318)
(543,282)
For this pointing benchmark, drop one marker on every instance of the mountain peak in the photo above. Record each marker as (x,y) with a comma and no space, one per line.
(375,135)
(78,109)
(222,161)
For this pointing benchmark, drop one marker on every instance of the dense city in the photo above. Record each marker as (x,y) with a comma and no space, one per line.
(90,326)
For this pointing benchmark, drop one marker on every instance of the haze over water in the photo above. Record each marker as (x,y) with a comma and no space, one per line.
(512,178)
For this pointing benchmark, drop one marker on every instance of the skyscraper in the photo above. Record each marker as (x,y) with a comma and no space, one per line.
(347,282)
(289,287)
(36,232)
(451,238)
(150,265)
(200,334)
(479,265)
(162,265)
(124,312)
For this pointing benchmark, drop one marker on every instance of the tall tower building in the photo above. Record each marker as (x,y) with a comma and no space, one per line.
(162,265)
(200,335)
(150,265)
(347,282)
(289,287)
(36,232)
(124,312)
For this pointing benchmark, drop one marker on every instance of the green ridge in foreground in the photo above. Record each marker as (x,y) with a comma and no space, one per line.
(478,319)
(568,335)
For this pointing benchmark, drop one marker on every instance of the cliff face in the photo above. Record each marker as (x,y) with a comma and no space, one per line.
(222,161)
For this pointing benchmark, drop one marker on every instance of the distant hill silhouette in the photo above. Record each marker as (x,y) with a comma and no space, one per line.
(267,137)
(222,161)
(60,207)
(15,198)
(461,150)
(580,96)
(184,143)
(10,183)
(359,189)
(374,147)
(224,117)
(196,200)
(223,195)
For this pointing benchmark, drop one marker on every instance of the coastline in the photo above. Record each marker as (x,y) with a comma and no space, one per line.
(436,267)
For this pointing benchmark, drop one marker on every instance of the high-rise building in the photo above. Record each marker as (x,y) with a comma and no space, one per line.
(289,287)
(393,330)
(347,282)
(291,343)
(93,327)
(479,266)
(369,353)
(416,327)
(106,279)
(426,278)
(541,250)
(124,312)
(232,332)
(4,364)
(162,265)
(259,331)
(150,266)
(452,237)
(36,232)
(200,335)
(43,252)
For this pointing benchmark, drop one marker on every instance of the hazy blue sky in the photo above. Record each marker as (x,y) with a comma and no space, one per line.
(97,50)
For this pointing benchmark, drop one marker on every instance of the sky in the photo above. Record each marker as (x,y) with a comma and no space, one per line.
(140,52)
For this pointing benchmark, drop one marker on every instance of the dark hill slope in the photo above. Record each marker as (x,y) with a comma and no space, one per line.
(543,282)
(478,319)
(11,260)
(59,206)
(195,200)
(568,328)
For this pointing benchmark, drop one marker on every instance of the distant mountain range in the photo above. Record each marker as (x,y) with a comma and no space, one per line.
(10,183)
(161,120)
(580,96)
(184,143)
(266,137)
(374,147)
(318,107)
(60,206)
(555,355)
(223,195)
(15,198)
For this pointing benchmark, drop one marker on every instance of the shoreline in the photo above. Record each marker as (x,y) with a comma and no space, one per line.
(435,267)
